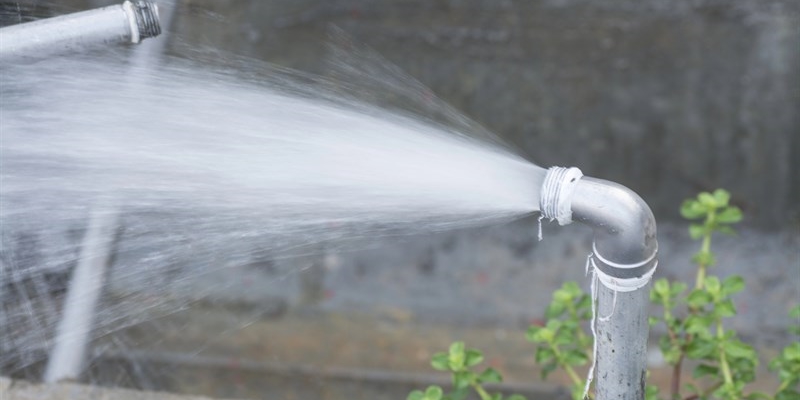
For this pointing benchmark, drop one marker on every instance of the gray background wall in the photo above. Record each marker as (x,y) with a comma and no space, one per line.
(667,97)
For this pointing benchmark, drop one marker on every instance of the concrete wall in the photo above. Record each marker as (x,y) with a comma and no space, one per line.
(667,97)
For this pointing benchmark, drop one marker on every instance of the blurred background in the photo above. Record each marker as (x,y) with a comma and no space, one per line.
(668,97)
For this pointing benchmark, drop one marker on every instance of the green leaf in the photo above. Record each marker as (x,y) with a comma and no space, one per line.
(700,348)
(555,310)
(713,285)
(473,358)
(730,215)
(544,355)
(416,395)
(462,379)
(698,324)
(547,369)
(707,200)
(696,231)
(788,394)
(721,197)
(677,288)
(456,348)
(585,303)
(573,289)
(653,321)
(725,309)
(561,296)
(661,287)
(698,298)
(564,337)
(792,352)
(737,349)
(516,397)
(547,335)
(433,393)
(732,284)
(795,312)
(651,392)
(576,357)
(577,391)
(456,356)
(440,361)
(704,369)
(490,375)
(458,394)
(692,209)
(758,396)
(671,353)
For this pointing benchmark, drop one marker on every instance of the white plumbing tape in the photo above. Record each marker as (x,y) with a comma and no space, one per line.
(621,284)
(555,202)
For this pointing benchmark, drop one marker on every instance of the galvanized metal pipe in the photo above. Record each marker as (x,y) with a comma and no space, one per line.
(625,235)
(623,260)
(74,330)
(129,22)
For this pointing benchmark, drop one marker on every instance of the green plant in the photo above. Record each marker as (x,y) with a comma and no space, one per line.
(726,363)
(562,343)
(460,361)
(787,364)
(693,319)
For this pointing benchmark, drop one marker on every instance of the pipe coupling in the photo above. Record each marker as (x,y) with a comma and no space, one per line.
(143,18)
(555,202)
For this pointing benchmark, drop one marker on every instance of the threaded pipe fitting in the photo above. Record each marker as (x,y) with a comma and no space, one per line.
(146,14)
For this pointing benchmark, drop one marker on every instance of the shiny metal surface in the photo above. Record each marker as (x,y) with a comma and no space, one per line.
(624,234)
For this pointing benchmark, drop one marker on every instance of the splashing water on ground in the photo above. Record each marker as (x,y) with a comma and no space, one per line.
(206,169)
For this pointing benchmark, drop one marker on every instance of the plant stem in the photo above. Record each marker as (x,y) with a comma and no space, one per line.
(723,361)
(675,387)
(701,266)
(484,395)
(783,385)
(571,372)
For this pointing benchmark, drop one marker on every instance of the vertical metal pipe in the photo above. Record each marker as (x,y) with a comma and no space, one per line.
(624,259)
(625,247)
(77,321)
(129,22)
(622,344)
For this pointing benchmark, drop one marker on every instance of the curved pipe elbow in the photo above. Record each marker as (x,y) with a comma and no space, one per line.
(624,226)
(625,243)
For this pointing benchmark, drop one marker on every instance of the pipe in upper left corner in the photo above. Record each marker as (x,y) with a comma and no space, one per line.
(129,22)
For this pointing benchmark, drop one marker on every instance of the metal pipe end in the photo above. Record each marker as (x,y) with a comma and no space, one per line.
(147,20)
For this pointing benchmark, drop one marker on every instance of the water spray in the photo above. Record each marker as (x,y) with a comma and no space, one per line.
(129,22)
(329,164)
(622,261)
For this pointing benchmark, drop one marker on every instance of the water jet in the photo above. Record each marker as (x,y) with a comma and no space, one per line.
(293,164)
